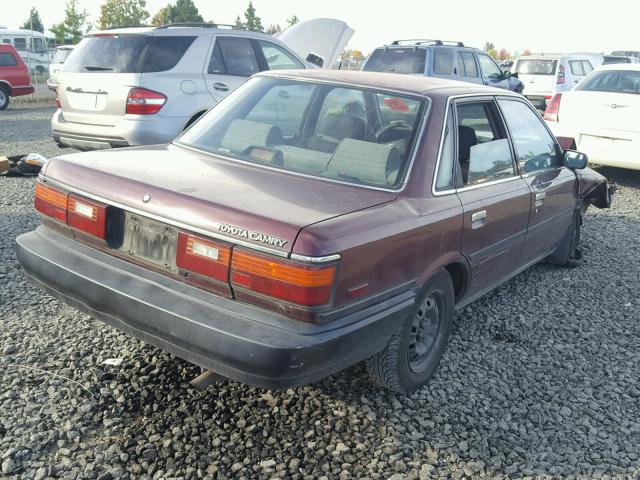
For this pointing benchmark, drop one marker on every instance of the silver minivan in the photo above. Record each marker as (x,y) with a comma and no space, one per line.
(144,85)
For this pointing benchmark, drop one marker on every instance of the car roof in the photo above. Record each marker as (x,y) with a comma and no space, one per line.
(410,84)
(180,29)
(8,46)
(620,66)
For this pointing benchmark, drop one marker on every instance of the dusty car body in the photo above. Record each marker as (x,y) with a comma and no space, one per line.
(277,254)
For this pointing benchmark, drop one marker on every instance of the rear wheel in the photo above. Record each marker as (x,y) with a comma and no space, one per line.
(414,350)
(4,98)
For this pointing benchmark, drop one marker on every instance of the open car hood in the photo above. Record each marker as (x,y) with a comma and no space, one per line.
(324,37)
(244,203)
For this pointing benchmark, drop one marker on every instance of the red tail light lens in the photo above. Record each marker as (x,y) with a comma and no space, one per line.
(553,108)
(561,77)
(51,202)
(293,282)
(204,257)
(58,104)
(87,216)
(144,102)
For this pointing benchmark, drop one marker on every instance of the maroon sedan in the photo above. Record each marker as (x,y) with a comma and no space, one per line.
(312,220)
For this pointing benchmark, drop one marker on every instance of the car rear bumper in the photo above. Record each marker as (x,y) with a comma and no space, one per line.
(128,131)
(236,340)
(19,91)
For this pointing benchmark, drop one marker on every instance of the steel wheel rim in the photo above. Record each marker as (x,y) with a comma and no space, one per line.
(425,330)
(3,97)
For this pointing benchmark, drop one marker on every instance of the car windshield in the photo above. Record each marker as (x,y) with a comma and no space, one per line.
(127,53)
(536,67)
(397,60)
(344,133)
(618,81)
(61,55)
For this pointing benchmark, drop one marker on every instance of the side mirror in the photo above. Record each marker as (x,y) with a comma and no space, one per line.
(575,160)
(506,74)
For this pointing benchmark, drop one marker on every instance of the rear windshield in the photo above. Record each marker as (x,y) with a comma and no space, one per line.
(618,81)
(397,60)
(536,67)
(331,131)
(61,55)
(609,60)
(128,54)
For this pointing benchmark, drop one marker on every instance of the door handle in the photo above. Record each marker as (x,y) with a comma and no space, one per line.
(220,87)
(478,219)
(540,196)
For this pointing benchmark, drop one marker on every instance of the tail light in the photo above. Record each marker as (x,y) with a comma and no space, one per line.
(282,279)
(553,108)
(561,76)
(51,202)
(58,103)
(203,256)
(141,101)
(87,216)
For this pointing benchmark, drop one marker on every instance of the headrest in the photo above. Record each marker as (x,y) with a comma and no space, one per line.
(243,134)
(365,161)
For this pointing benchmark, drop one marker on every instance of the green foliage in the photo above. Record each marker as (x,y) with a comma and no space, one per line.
(488,46)
(33,22)
(238,21)
(293,20)
(251,19)
(73,26)
(122,13)
(182,11)
(273,29)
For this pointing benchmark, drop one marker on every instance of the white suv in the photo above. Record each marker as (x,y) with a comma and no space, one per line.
(141,86)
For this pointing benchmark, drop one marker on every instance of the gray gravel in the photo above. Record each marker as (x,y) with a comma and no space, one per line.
(540,381)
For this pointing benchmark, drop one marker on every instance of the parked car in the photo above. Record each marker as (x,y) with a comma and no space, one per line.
(14,75)
(602,114)
(613,59)
(62,52)
(435,58)
(627,53)
(312,220)
(142,86)
(545,75)
(506,65)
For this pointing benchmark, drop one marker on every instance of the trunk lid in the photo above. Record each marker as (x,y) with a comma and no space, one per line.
(325,37)
(600,113)
(245,203)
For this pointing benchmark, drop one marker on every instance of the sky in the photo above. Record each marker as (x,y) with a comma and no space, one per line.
(548,26)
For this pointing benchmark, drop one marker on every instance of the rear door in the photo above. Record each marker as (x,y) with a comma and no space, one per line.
(232,60)
(553,187)
(494,198)
(96,78)
(467,68)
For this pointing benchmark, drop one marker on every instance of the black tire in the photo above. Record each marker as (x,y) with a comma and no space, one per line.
(4,98)
(575,258)
(415,349)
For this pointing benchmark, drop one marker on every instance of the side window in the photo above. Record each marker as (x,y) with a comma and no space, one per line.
(443,61)
(467,65)
(233,56)
(444,179)
(587,67)
(7,60)
(535,147)
(20,43)
(277,58)
(164,53)
(488,66)
(576,68)
(483,149)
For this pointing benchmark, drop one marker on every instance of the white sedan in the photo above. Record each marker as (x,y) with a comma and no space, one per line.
(602,115)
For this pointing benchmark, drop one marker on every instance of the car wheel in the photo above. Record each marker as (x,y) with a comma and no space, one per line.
(4,98)
(414,350)
(575,252)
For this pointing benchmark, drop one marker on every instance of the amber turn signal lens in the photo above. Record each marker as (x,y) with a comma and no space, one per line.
(51,202)
(283,279)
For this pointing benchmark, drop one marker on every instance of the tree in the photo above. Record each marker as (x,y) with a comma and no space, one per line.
(503,54)
(526,52)
(251,19)
(493,53)
(183,11)
(293,20)
(122,13)
(489,46)
(273,29)
(33,22)
(238,21)
(74,24)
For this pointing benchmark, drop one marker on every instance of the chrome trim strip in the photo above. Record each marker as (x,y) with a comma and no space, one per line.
(174,223)
(486,184)
(305,258)
(438,193)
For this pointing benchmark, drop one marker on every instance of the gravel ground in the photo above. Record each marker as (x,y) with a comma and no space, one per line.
(540,380)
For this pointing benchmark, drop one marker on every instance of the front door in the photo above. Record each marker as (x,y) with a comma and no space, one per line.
(553,186)
(495,200)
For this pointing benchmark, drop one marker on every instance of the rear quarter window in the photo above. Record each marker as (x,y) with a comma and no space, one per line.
(164,53)
(7,60)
